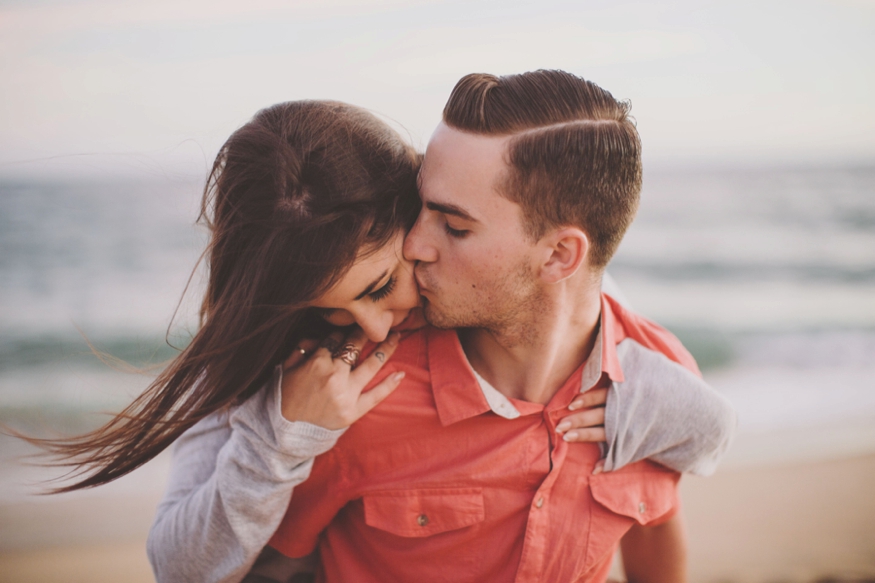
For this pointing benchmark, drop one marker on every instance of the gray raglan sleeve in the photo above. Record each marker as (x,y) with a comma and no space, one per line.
(665,413)
(230,483)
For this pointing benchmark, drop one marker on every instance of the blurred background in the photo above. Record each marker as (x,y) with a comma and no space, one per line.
(755,242)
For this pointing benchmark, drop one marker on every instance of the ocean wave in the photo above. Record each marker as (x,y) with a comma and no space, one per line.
(18,352)
(788,350)
(741,273)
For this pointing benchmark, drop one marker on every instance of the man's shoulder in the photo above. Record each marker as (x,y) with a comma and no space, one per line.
(649,335)
(412,347)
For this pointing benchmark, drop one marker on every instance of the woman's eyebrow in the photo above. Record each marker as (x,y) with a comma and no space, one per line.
(372,285)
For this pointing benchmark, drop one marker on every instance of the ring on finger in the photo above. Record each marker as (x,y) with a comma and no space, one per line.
(348,353)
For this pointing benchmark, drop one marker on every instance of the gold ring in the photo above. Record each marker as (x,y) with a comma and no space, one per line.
(348,353)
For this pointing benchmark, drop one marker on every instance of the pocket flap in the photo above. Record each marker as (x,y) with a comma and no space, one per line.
(643,496)
(419,513)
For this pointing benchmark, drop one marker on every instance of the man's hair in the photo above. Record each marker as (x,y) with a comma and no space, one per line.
(575,155)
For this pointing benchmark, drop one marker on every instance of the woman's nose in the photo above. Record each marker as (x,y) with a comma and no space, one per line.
(376,326)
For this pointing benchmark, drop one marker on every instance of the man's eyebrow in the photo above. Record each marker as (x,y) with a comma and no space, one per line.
(372,285)
(450,209)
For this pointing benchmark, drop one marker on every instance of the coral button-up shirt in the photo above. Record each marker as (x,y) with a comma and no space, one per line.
(434,485)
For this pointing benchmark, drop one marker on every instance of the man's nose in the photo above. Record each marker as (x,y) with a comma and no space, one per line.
(416,244)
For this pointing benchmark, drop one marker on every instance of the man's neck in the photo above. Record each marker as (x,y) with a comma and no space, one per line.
(533,359)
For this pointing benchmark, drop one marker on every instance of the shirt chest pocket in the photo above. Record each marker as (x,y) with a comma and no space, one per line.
(643,496)
(421,513)
(642,493)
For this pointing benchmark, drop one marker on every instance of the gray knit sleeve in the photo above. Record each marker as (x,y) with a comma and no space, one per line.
(231,480)
(664,412)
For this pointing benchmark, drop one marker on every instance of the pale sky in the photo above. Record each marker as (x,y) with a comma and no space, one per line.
(89,86)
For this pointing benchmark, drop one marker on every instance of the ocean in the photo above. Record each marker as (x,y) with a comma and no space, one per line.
(767,275)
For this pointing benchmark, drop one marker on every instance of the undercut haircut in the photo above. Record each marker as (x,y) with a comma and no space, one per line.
(574,158)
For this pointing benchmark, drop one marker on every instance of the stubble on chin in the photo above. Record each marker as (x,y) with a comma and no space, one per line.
(435,317)
(509,310)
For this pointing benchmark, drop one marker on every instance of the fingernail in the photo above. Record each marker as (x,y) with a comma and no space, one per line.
(398,376)
(569,436)
(564,426)
(573,406)
(598,470)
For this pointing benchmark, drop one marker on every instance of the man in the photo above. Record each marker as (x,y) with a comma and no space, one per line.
(527,186)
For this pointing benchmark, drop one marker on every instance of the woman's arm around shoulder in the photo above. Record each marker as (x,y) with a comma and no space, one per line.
(231,480)
(667,414)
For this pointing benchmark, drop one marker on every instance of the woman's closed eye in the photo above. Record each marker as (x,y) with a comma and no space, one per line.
(384,291)
(331,314)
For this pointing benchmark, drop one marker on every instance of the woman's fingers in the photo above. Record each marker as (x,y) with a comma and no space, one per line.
(585,418)
(364,372)
(591,398)
(587,424)
(383,389)
(370,366)
(302,352)
(327,391)
(593,414)
(585,435)
(346,352)
(583,426)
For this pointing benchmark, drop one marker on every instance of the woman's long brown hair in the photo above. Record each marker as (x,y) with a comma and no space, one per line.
(293,197)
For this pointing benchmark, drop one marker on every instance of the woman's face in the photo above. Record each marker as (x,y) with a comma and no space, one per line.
(377,292)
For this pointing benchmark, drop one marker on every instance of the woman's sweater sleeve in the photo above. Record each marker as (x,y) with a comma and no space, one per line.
(230,482)
(673,417)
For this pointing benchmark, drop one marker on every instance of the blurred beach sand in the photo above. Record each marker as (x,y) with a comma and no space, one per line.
(114,562)
(797,522)
(790,522)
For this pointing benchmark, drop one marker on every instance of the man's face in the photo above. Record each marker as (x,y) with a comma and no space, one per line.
(476,268)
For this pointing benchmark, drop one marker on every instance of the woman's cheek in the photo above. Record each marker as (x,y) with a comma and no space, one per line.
(341,318)
(411,297)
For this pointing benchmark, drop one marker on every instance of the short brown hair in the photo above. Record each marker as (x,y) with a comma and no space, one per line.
(575,157)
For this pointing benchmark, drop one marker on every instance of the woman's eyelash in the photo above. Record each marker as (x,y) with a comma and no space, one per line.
(383,291)
(454,232)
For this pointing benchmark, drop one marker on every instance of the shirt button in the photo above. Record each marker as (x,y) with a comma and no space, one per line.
(642,508)
(422,520)
(540,502)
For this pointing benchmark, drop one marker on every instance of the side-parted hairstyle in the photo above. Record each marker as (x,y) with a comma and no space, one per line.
(574,155)
(294,197)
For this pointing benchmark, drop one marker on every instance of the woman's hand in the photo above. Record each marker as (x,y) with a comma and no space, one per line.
(587,425)
(326,391)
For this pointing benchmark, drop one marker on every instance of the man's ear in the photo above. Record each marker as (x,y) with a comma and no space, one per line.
(565,250)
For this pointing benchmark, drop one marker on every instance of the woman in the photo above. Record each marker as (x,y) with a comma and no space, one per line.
(308,205)
(293,200)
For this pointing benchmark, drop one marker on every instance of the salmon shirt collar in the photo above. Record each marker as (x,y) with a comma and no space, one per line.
(612,332)
(457,395)
(460,393)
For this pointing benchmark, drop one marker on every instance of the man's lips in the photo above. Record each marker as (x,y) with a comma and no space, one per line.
(422,287)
